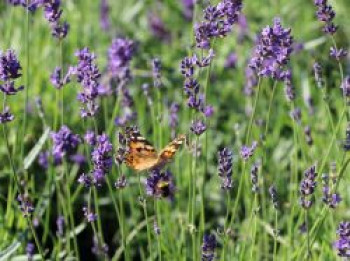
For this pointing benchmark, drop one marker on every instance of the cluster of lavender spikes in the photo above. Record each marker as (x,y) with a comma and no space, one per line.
(9,71)
(225,168)
(217,22)
(272,53)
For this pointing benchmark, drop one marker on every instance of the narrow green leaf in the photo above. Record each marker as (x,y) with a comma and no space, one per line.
(28,160)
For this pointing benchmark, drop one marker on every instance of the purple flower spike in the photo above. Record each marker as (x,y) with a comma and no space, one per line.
(307,187)
(6,116)
(102,159)
(338,54)
(198,127)
(60,223)
(231,61)
(160,185)
(89,215)
(248,152)
(9,66)
(43,159)
(104,15)
(57,80)
(65,142)
(208,247)
(274,196)
(119,56)
(8,88)
(342,244)
(225,168)
(346,86)
(272,52)
(88,76)
(25,204)
(30,248)
(325,14)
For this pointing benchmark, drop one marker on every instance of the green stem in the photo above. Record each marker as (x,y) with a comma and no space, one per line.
(308,253)
(228,208)
(144,206)
(25,112)
(159,223)
(275,237)
(252,117)
(70,211)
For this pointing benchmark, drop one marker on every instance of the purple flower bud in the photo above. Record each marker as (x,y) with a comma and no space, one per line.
(342,244)
(198,127)
(60,223)
(104,15)
(247,152)
(346,86)
(274,196)
(120,54)
(90,216)
(158,28)
(59,30)
(156,70)
(85,180)
(160,185)
(57,80)
(208,247)
(318,75)
(307,187)
(90,138)
(25,204)
(208,111)
(225,168)
(65,142)
(296,115)
(308,137)
(338,54)
(43,159)
(272,53)
(8,88)
(231,61)
(30,248)
(254,177)
(121,182)
(6,116)
(9,66)
(102,159)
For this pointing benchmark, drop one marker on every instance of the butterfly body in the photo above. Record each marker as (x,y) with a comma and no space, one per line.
(141,155)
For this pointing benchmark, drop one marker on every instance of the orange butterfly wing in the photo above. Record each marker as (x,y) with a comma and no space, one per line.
(169,151)
(141,155)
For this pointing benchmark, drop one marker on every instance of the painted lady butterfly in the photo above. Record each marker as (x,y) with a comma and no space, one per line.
(141,155)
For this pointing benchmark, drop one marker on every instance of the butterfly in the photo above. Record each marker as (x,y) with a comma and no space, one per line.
(141,155)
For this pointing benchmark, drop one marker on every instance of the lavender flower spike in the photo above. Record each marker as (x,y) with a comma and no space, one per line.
(225,168)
